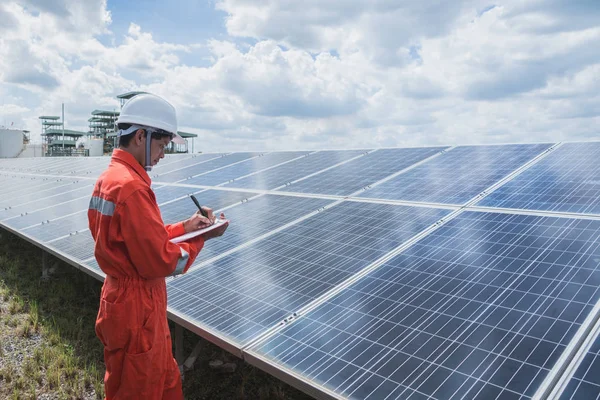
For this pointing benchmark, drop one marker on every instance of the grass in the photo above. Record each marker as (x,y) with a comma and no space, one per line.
(51,323)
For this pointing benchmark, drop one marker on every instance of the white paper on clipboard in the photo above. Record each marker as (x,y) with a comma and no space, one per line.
(190,235)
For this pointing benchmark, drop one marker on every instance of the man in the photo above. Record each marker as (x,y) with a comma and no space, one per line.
(134,251)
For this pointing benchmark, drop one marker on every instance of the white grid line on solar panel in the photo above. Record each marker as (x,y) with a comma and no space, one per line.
(78,247)
(565,181)
(244,168)
(283,174)
(438,231)
(279,275)
(173,193)
(16,184)
(50,201)
(204,168)
(458,175)
(266,169)
(60,227)
(41,195)
(357,174)
(161,169)
(51,213)
(183,208)
(13,188)
(255,218)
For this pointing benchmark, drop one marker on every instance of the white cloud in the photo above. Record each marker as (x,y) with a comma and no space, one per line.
(318,74)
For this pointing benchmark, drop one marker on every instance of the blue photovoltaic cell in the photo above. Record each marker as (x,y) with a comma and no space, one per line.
(202,166)
(585,384)
(482,308)
(216,199)
(59,227)
(354,175)
(33,206)
(289,172)
(14,185)
(48,194)
(168,165)
(93,265)
(78,247)
(39,214)
(457,176)
(170,193)
(17,190)
(567,179)
(252,289)
(250,166)
(258,217)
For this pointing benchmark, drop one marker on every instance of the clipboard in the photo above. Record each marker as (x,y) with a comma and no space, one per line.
(190,235)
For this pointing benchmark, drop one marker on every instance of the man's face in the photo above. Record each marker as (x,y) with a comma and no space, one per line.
(157,149)
(137,148)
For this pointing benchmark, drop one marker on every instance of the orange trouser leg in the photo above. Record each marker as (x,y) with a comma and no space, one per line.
(133,327)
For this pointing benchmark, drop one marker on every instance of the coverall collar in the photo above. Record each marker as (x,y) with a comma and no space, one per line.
(126,158)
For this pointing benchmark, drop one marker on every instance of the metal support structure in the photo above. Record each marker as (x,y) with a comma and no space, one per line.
(185,364)
(179,347)
(45,266)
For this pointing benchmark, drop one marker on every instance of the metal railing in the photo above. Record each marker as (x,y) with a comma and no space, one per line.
(60,152)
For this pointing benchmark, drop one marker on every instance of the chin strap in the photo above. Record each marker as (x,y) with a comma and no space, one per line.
(148,166)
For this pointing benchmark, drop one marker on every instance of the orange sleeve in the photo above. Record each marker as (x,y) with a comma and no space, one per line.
(147,239)
(174,230)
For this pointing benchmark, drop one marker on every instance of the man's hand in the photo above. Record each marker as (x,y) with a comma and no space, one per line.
(196,222)
(216,232)
(210,214)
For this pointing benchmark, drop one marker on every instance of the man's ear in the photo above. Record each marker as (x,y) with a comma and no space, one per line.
(139,136)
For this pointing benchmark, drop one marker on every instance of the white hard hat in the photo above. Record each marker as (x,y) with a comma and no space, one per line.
(150,110)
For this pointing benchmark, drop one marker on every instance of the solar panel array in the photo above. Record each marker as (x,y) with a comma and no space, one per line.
(468,272)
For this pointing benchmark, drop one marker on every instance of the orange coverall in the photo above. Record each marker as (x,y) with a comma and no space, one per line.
(133,249)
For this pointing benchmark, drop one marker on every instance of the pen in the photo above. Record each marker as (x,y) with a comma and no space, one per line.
(195,200)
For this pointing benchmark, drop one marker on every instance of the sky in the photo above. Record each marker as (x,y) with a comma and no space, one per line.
(284,74)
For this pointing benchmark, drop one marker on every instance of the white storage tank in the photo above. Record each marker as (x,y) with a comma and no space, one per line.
(11,142)
(96,147)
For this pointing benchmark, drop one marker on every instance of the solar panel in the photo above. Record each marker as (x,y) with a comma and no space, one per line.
(202,167)
(481,306)
(357,174)
(254,288)
(249,166)
(567,179)
(480,309)
(458,175)
(44,193)
(289,172)
(178,163)
(54,212)
(79,247)
(216,199)
(257,217)
(15,209)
